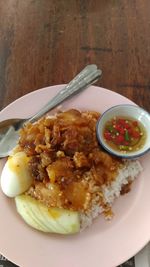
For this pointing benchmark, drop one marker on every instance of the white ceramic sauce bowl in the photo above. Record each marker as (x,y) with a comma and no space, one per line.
(129,111)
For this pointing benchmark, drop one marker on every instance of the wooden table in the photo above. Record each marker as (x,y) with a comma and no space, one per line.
(47,42)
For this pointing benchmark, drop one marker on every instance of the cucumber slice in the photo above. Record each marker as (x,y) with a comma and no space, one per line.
(52,220)
(27,214)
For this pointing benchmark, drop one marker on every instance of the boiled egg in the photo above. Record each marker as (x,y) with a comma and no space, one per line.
(16,177)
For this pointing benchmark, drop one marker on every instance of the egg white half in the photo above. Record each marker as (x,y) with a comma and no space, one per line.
(15,177)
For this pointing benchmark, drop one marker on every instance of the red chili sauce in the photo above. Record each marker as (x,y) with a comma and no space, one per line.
(124,134)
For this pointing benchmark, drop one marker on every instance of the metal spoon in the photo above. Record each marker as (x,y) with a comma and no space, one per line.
(9,128)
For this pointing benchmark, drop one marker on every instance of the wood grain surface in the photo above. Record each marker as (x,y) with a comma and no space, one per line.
(47,42)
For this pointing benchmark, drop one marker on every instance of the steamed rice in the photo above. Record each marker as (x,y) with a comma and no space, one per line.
(127,174)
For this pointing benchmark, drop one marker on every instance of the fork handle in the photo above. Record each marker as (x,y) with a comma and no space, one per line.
(89,75)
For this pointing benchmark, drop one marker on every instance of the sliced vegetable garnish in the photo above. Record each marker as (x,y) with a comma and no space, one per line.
(127,136)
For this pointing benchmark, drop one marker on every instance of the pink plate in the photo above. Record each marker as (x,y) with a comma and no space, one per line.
(105,244)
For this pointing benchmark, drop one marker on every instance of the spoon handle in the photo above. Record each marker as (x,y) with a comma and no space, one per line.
(87,76)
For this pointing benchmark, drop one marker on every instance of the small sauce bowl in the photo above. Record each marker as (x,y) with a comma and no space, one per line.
(130,138)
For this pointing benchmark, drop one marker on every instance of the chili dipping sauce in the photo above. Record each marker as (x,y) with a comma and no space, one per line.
(124,134)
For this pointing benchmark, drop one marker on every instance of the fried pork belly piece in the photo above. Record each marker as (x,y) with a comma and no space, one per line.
(48,194)
(80,160)
(77,195)
(78,139)
(71,117)
(60,170)
(101,157)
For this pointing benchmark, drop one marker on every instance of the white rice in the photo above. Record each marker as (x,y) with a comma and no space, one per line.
(128,173)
